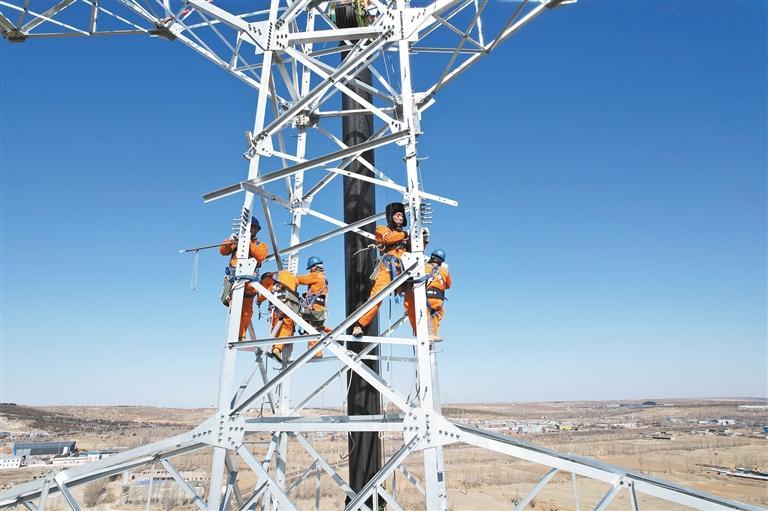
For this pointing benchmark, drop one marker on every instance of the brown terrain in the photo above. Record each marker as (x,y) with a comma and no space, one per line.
(677,440)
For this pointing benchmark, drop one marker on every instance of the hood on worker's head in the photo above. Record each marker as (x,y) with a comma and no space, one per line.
(396,207)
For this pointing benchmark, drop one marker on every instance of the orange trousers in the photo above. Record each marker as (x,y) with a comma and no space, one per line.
(434,316)
(247,312)
(286,328)
(382,279)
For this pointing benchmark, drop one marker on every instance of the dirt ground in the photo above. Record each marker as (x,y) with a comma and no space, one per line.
(688,442)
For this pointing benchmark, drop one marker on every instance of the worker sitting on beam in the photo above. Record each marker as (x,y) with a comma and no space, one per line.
(256,250)
(314,299)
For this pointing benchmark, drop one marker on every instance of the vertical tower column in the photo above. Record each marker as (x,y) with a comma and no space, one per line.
(227,374)
(433,457)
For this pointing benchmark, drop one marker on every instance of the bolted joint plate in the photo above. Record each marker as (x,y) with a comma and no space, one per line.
(246,267)
(403,23)
(431,429)
(265,36)
(221,430)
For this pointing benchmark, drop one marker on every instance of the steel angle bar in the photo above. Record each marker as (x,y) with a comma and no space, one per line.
(597,470)
(28,505)
(223,16)
(328,235)
(536,489)
(241,16)
(474,58)
(204,52)
(576,492)
(324,465)
(339,34)
(632,497)
(685,496)
(498,40)
(348,113)
(381,476)
(390,500)
(317,187)
(391,185)
(432,23)
(258,492)
(293,10)
(465,33)
(97,7)
(272,340)
(6,24)
(248,345)
(331,220)
(67,495)
(46,15)
(339,84)
(50,35)
(262,474)
(44,18)
(326,423)
(330,136)
(345,368)
(412,479)
(115,464)
(232,482)
(271,230)
(309,471)
(94,16)
(359,57)
(464,38)
(434,49)
(329,341)
(309,164)
(185,486)
(608,497)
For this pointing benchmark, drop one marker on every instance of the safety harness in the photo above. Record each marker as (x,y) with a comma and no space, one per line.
(311,299)
(433,292)
(287,296)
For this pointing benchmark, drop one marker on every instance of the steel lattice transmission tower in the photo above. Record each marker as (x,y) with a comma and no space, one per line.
(289,52)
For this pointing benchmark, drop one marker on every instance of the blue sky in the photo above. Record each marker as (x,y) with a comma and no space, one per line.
(610,162)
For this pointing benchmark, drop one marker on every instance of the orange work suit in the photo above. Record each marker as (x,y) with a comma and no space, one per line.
(317,294)
(440,281)
(391,241)
(257,251)
(287,326)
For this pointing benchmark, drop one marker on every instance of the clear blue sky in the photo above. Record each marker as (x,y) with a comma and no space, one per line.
(610,161)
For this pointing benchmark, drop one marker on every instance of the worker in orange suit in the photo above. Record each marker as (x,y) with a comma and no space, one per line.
(256,250)
(314,299)
(283,284)
(393,242)
(438,280)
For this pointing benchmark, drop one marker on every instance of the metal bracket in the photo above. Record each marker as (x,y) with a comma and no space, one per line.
(221,430)
(430,428)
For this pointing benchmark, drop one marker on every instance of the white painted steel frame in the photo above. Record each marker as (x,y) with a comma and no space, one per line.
(294,79)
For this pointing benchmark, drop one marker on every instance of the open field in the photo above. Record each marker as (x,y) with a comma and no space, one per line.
(678,440)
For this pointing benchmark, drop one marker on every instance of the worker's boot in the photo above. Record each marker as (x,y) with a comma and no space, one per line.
(357,331)
(277,354)
(435,338)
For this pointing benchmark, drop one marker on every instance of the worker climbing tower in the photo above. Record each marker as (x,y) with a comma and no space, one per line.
(289,51)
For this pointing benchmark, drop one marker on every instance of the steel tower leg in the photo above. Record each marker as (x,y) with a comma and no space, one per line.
(433,456)
(226,378)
